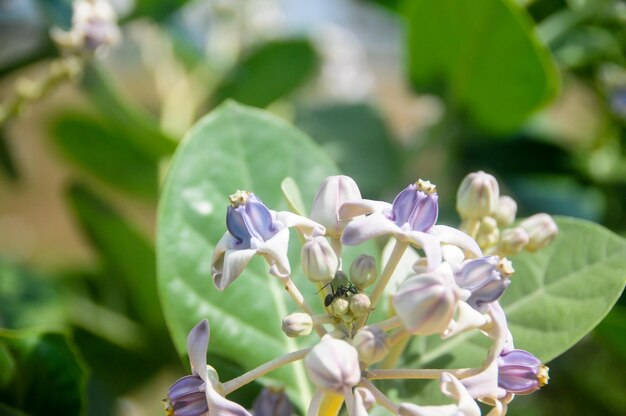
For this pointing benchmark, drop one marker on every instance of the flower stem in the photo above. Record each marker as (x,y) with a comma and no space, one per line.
(297,297)
(263,369)
(349,399)
(394,259)
(323,319)
(397,336)
(389,324)
(380,397)
(395,352)
(412,373)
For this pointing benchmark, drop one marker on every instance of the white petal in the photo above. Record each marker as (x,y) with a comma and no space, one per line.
(403,269)
(452,387)
(221,406)
(467,318)
(430,244)
(409,409)
(362,229)
(458,238)
(197,347)
(305,226)
(275,252)
(352,209)
(234,262)
(217,259)
(484,385)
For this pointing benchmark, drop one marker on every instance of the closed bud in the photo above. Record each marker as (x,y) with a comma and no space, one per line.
(506,211)
(478,195)
(512,241)
(363,271)
(319,261)
(488,234)
(541,230)
(520,372)
(333,365)
(334,191)
(297,324)
(340,307)
(425,303)
(372,343)
(360,305)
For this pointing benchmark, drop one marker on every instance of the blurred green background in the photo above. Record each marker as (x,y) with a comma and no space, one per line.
(533,92)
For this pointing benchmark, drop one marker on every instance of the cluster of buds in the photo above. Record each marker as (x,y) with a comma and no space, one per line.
(94,28)
(453,287)
(485,215)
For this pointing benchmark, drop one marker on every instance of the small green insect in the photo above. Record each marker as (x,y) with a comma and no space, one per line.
(340,286)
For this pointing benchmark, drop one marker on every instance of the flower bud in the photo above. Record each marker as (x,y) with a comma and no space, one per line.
(372,344)
(506,211)
(416,205)
(425,304)
(340,307)
(334,191)
(520,372)
(333,365)
(363,271)
(319,261)
(478,195)
(512,241)
(541,230)
(488,233)
(486,278)
(297,324)
(360,305)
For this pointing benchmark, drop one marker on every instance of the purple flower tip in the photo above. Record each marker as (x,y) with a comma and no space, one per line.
(247,218)
(484,277)
(417,206)
(520,372)
(186,397)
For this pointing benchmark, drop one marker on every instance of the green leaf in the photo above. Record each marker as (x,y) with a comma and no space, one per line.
(49,378)
(103,152)
(234,147)
(269,72)
(356,137)
(126,252)
(487,56)
(7,161)
(7,366)
(557,296)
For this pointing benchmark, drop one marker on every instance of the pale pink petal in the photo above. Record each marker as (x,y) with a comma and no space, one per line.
(221,406)
(197,347)
(410,409)
(430,244)
(467,318)
(217,260)
(233,264)
(362,229)
(452,387)
(484,385)
(451,235)
(352,209)
(305,226)
(275,252)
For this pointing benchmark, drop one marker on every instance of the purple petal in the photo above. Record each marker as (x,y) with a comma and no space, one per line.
(191,406)
(259,218)
(488,293)
(237,226)
(518,370)
(197,347)
(185,386)
(404,204)
(425,212)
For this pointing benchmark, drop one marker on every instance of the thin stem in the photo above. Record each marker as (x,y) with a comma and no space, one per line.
(389,324)
(399,335)
(414,373)
(337,247)
(323,319)
(316,402)
(395,352)
(297,297)
(349,399)
(263,369)
(380,397)
(383,280)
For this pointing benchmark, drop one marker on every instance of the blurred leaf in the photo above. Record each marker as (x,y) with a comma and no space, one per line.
(50,377)
(234,147)
(269,72)
(27,299)
(7,366)
(124,250)
(157,9)
(356,137)
(103,152)
(7,163)
(557,296)
(486,54)
(138,126)
(612,331)
(587,46)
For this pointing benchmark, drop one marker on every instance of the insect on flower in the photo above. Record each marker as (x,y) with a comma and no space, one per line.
(340,286)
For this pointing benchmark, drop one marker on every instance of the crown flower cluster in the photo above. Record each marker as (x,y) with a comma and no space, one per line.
(366,312)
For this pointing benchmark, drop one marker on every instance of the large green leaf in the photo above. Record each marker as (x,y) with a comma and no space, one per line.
(104,153)
(125,252)
(485,53)
(557,296)
(48,375)
(269,72)
(233,148)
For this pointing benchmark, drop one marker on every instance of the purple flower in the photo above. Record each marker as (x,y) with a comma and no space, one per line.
(255,229)
(486,278)
(520,372)
(195,395)
(411,219)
